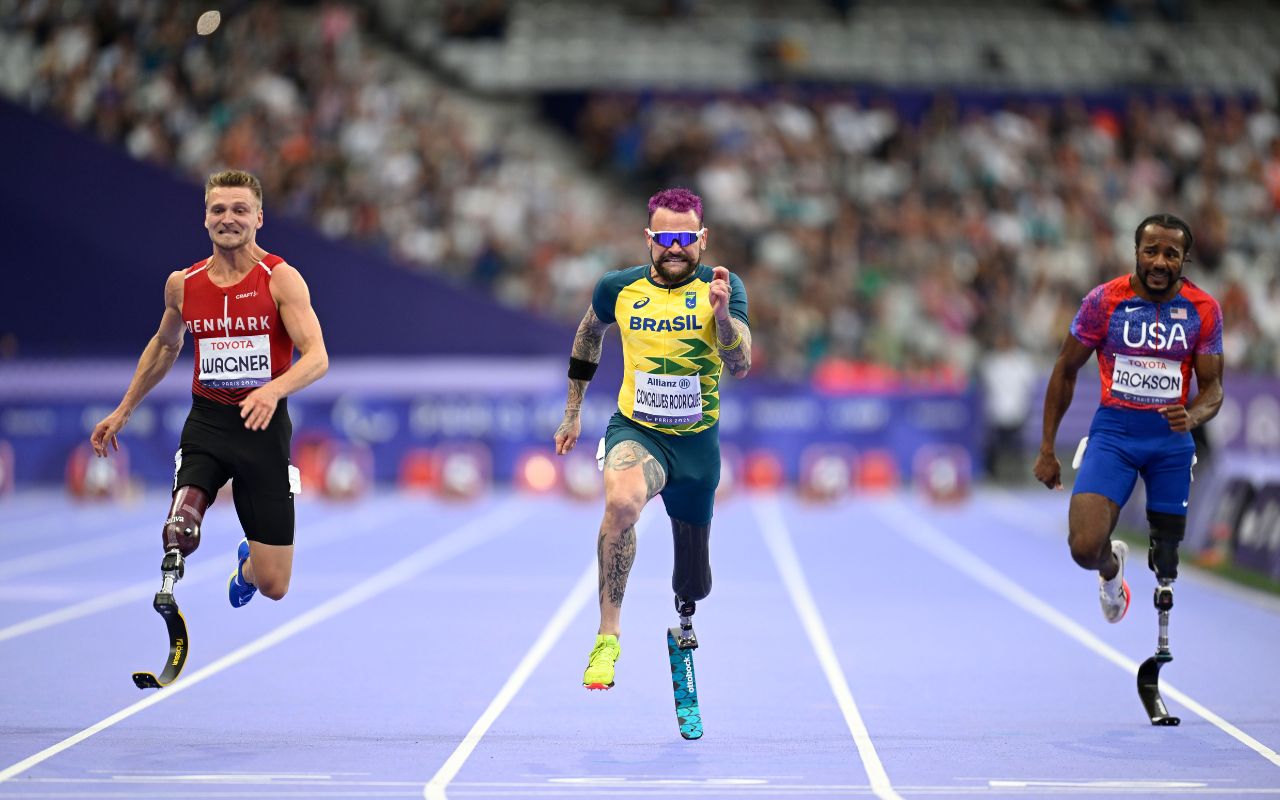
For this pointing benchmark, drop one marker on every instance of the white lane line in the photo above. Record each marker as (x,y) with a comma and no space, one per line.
(1188,569)
(332,529)
(76,552)
(93,605)
(1098,784)
(926,536)
(583,590)
(458,541)
(628,787)
(774,529)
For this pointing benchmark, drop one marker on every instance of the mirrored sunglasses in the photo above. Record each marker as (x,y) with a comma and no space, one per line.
(669,238)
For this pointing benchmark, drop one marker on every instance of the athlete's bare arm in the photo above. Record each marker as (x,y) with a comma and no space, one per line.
(1057,399)
(1204,406)
(156,361)
(587,344)
(737,360)
(729,330)
(293,298)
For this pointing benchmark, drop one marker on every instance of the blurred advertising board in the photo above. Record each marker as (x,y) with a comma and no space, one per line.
(396,407)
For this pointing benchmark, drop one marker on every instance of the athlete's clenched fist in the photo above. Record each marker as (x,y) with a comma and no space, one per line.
(719,293)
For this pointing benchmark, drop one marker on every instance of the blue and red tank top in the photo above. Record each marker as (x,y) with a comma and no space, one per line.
(1146,350)
(240,341)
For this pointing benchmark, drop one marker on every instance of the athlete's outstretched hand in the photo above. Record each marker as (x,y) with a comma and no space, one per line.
(258,407)
(1048,471)
(719,293)
(1177,417)
(105,431)
(568,432)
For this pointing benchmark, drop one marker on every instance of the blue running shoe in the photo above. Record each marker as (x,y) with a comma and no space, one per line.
(239,590)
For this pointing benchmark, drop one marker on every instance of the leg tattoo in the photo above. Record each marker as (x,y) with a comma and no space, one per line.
(627,454)
(654,477)
(615,559)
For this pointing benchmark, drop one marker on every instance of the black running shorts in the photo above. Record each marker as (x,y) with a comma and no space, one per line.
(216,447)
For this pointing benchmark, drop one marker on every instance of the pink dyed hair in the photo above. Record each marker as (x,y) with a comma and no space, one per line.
(677,199)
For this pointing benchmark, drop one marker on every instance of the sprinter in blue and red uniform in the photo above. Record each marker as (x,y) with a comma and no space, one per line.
(1151,330)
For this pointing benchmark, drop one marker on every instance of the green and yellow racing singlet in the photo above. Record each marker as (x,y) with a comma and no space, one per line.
(671,365)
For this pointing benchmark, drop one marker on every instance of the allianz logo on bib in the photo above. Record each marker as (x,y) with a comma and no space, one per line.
(1155,335)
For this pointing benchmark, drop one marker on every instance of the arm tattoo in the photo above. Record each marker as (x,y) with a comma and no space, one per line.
(615,560)
(737,360)
(589,340)
(577,391)
(587,344)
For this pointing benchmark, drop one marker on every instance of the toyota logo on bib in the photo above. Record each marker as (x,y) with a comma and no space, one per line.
(684,383)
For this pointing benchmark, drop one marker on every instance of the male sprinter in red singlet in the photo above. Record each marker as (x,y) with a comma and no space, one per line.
(247,310)
(1150,329)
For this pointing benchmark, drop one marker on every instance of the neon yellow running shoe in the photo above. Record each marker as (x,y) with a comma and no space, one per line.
(599,674)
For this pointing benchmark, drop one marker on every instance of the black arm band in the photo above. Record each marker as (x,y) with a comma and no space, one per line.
(581,370)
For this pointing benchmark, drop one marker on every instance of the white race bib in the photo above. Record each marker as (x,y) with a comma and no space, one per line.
(232,362)
(1146,379)
(667,399)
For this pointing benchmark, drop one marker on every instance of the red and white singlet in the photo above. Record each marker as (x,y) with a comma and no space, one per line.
(240,340)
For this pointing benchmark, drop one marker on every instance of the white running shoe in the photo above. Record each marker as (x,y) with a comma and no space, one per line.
(1114,594)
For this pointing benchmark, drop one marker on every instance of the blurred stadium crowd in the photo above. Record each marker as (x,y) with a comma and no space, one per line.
(875,248)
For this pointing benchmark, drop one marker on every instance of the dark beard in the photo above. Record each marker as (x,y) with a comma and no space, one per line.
(1171,282)
(672,276)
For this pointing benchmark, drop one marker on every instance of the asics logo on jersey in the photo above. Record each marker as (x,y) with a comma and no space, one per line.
(640,303)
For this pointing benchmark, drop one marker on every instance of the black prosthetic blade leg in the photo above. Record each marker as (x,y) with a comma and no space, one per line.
(1149,671)
(167,607)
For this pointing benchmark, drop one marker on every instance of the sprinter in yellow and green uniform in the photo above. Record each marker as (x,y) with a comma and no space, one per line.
(682,325)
